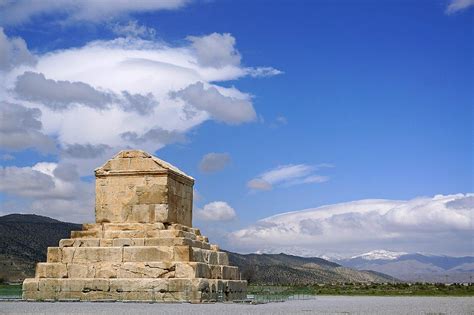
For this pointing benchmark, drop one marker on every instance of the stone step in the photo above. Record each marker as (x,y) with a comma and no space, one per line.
(91,254)
(139,289)
(137,233)
(136,270)
(152,241)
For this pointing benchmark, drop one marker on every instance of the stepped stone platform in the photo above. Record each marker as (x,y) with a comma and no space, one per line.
(142,247)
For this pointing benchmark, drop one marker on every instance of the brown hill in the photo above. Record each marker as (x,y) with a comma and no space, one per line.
(24,239)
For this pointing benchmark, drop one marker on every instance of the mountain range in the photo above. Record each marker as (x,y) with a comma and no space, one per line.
(414,267)
(24,240)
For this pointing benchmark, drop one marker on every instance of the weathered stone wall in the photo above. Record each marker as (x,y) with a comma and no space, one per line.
(130,198)
(134,187)
(180,200)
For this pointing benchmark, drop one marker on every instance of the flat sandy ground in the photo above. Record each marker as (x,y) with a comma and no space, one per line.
(318,305)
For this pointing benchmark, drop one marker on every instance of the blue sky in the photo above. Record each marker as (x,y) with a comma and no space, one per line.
(301,104)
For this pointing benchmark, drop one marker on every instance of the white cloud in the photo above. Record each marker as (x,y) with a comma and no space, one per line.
(216,211)
(13,52)
(50,189)
(458,5)
(215,50)
(263,72)
(287,175)
(223,108)
(259,184)
(86,103)
(128,92)
(132,29)
(22,11)
(21,128)
(58,95)
(433,225)
(213,162)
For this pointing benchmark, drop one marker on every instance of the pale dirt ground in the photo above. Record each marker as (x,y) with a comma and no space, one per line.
(318,305)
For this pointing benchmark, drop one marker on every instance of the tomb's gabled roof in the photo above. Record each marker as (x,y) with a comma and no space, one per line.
(137,161)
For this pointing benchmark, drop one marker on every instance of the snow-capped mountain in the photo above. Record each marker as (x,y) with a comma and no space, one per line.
(380,254)
(413,267)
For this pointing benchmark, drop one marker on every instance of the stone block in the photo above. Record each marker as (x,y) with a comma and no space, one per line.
(183,253)
(107,270)
(125,234)
(146,270)
(215,271)
(72,285)
(147,253)
(92,227)
(106,242)
(30,284)
(96,285)
(67,253)
(141,213)
(179,285)
(154,194)
(139,285)
(119,242)
(51,270)
(168,241)
(49,285)
(133,226)
(86,234)
(80,270)
(68,242)
(230,273)
(97,254)
(161,213)
(54,255)
(192,270)
(222,258)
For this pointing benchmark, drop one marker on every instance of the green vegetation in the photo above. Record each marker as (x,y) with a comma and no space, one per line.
(10,290)
(370,289)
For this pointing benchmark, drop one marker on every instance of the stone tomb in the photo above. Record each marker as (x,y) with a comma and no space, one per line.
(142,247)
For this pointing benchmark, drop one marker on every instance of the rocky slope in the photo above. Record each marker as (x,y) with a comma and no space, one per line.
(287,270)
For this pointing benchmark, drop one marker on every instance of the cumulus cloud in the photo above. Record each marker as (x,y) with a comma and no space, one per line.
(227,109)
(154,135)
(16,12)
(59,94)
(86,103)
(132,29)
(215,50)
(288,175)
(150,87)
(50,189)
(21,128)
(84,151)
(459,5)
(263,72)
(437,224)
(13,52)
(214,162)
(216,211)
